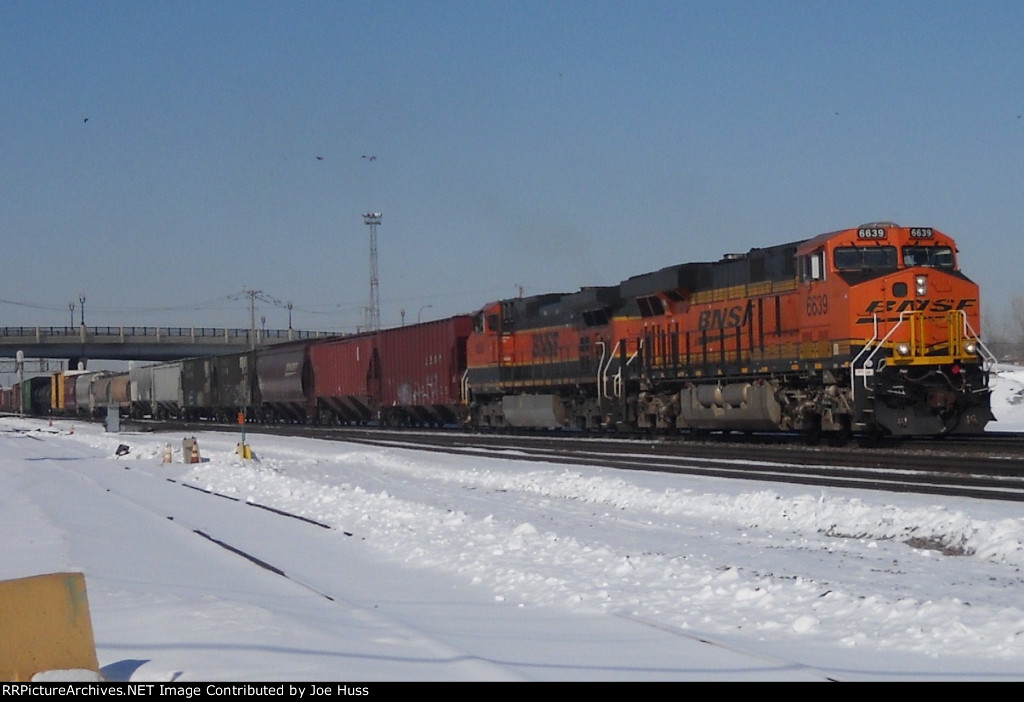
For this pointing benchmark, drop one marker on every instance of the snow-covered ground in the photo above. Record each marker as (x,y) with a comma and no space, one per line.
(464,568)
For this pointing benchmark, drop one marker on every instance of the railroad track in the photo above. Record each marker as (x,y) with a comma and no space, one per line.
(894,471)
(989,467)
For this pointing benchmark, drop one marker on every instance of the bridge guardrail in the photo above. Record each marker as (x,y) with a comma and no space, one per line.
(136,333)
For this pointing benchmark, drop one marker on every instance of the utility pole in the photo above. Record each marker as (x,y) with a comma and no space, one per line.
(254,295)
(252,316)
(372,219)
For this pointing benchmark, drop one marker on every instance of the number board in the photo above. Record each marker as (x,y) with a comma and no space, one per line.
(921,233)
(871,233)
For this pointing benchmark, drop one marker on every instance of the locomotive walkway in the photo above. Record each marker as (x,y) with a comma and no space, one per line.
(139,343)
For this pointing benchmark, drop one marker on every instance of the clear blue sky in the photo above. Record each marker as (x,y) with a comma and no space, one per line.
(548,145)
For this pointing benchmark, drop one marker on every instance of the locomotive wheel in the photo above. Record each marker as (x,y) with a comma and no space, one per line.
(841,437)
(812,431)
(872,438)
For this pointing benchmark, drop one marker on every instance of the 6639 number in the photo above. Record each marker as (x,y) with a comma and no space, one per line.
(817,305)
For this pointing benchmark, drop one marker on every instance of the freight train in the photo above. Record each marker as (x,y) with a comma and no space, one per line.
(871,330)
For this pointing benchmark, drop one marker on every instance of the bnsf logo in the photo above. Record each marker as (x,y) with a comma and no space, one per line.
(943,304)
(724,318)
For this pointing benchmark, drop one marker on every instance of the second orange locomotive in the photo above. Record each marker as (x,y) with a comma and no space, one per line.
(872,329)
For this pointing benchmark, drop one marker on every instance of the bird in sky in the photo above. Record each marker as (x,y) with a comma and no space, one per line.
(319,158)
(370,158)
(84,120)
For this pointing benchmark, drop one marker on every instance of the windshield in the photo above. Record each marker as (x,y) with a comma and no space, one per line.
(931,256)
(857,258)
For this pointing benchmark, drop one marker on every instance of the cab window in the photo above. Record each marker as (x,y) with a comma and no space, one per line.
(861,258)
(813,266)
(931,256)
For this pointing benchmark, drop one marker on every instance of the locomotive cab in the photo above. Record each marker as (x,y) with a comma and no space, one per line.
(896,305)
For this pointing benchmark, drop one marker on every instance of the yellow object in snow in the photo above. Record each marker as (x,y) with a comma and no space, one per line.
(45,625)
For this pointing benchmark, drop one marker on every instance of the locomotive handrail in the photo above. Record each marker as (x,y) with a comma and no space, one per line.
(603,371)
(600,372)
(875,349)
(988,358)
(853,363)
(618,383)
(874,344)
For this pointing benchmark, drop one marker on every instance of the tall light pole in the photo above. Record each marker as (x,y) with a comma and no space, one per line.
(71,308)
(372,219)
(81,301)
(419,315)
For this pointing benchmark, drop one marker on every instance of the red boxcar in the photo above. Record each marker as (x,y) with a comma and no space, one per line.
(402,376)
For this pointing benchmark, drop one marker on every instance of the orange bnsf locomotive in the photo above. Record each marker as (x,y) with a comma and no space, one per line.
(869,330)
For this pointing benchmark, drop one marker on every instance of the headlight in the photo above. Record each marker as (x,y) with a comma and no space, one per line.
(903,349)
(921,284)
(971,348)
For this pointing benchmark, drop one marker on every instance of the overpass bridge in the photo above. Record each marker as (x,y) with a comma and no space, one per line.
(138,343)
